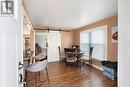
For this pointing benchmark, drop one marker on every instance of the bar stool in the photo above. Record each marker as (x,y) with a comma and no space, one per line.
(37,68)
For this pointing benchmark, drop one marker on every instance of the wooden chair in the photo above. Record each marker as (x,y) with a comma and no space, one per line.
(70,56)
(62,57)
(87,58)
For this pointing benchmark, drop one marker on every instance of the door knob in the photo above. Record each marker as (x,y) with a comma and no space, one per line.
(20,65)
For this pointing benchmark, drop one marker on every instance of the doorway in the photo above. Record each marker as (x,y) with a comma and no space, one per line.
(50,42)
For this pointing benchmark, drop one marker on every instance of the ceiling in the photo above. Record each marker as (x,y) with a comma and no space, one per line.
(69,14)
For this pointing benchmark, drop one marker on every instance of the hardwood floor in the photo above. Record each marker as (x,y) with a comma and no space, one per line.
(70,77)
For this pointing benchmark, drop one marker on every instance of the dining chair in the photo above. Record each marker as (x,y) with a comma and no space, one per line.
(37,68)
(62,57)
(38,49)
(87,58)
(71,50)
(70,57)
(41,56)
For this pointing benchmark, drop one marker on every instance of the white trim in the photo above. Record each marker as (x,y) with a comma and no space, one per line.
(106,42)
(98,59)
(97,67)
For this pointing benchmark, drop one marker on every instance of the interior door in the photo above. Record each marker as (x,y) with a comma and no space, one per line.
(11,48)
(54,40)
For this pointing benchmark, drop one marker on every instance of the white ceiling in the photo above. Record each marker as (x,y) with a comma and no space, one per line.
(69,14)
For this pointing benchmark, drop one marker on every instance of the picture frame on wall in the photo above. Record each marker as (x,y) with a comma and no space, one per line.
(115,34)
(7,7)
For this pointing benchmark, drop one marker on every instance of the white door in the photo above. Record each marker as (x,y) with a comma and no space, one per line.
(54,40)
(11,48)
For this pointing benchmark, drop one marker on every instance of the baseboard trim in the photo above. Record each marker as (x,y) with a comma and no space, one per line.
(97,67)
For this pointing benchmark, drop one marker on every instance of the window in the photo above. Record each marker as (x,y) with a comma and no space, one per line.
(95,38)
(85,42)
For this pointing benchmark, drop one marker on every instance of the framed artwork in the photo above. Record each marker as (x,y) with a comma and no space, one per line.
(11,8)
(7,7)
(115,34)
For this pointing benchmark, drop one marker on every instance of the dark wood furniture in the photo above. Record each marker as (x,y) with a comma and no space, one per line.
(70,57)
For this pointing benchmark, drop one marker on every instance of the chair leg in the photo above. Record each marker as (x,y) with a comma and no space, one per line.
(66,65)
(80,65)
(39,75)
(90,63)
(75,65)
(36,79)
(25,79)
(47,75)
(26,75)
(83,62)
(24,85)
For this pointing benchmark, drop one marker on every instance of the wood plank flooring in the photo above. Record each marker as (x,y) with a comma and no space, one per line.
(70,77)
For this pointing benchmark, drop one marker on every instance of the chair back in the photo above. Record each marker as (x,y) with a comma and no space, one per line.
(38,66)
(91,52)
(71,57)
(59,51)
(69,50)
(70,54)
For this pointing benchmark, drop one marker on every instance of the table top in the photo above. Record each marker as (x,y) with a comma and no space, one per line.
(80,52)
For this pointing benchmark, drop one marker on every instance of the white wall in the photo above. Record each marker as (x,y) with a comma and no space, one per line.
(11,42)
(124,43)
